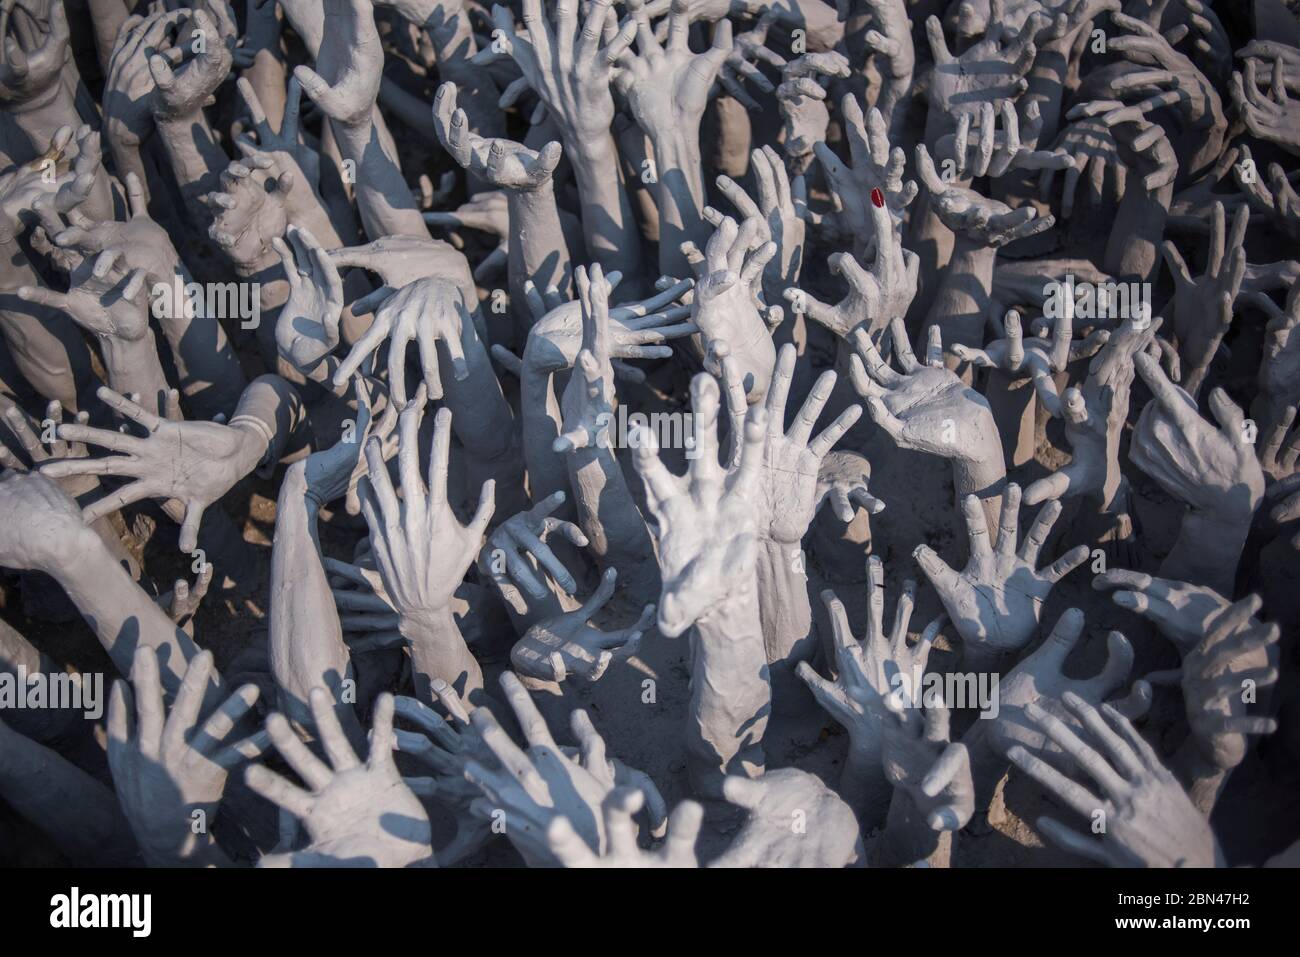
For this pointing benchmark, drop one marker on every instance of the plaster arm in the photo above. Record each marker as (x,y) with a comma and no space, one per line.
(1133,250)
(1214,471)
(194,152)
(926,408)
(1220,677)
(306,636)
(667,90)
(423,551)
(345,85)
(570,71)
(639,330)
(52,537)
(707,549)
(47,349)
(78,814)
(788,500)
(855,698)
(537,251)
(981,226)
(607,513)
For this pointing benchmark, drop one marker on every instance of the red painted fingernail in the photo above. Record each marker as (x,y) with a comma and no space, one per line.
(878,198)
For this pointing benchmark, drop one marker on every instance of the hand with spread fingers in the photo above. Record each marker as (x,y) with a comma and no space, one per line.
(978,218)
(925,408)
(195,463)
(1222,675)
(356,814)
(570,645)
(422,549)
(170,767)
(995,602)
(1143,814)
(1094,421)
(868,672)
(532,788)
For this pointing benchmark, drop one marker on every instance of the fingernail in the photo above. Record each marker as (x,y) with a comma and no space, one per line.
(878,197)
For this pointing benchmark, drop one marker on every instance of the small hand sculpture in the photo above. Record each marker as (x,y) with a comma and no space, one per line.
(1038,358)
(193,462)
(553,650)
(875,167)
(980,149)
(1091,145)
(728,277)
(708,538)
(1182,611)
(842,484)
(782,208)
(667,87)
(182,93)
(985,221)
(503,163)
(1271,116)
(1040,678)
(349,64)
(425,312)
(995,602)
(993,68)
(506,554)
(802,102)
(34,57)
(569,70)
(250,213)
(1094,420)
(106,299)
(28,436)
(746,50)
(307,330)
(357,815)
(568,849)
(869,671)
(537,786)
(877,294)
(1221,675)
(925,408)
(421,548)
(446,746)
(169,770)
(1213,470)
(1148,820)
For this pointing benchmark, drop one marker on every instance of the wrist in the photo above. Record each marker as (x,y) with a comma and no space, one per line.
(82,557)
(426,623)
(255,442)
(296,487)
(983,472)
(46,99)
